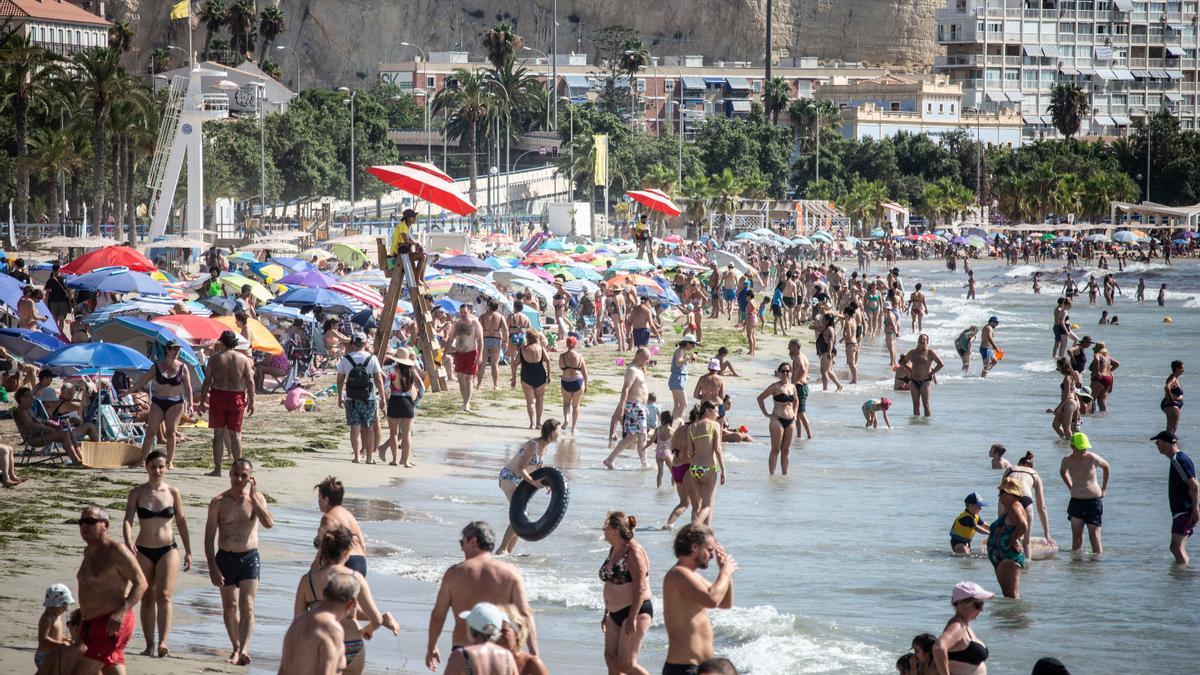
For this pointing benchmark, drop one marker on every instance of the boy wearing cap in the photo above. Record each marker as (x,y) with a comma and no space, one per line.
(51,632)
(1078,471)
(402,243)
(483,656)
(963,530)
(1183,493)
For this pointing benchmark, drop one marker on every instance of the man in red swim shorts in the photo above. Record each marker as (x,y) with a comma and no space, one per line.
(228,393)
(110,584)
(466,342)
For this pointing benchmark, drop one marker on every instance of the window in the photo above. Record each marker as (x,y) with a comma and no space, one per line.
(941,108)
(1066,28)
(951,108)
(1102,29)
(756,86)
(1084,29)
(1012,74)
(1136,100)
(641,85)
(431,82)
(894,106)
(668,85)
(929,108)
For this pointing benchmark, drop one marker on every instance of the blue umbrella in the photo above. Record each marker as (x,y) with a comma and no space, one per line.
(284,311)
(746,235)
(449,304)
(878,234)
(93,358)
(309,279)
(30,345)
(293,264)
(1125,237)
(319,297)
(117,280)
(242,257)
(464,263)
(134,333)
(11,292)
(1064,240)
(630,265)
(501,263)
(552,245)
(959,241)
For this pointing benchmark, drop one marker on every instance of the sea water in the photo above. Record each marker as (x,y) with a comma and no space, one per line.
(847,558)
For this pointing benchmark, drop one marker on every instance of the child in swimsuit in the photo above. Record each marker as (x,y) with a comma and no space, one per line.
(662,443)
(872,407)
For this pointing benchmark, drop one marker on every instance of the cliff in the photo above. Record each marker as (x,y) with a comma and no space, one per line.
(344,41)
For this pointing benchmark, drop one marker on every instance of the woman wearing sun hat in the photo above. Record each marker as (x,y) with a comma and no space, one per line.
(1006,540)
(406,387)
(677,382)
(958,651)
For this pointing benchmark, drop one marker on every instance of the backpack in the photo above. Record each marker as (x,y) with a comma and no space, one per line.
(359,386)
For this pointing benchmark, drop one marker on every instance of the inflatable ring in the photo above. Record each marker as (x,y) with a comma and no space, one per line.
(560,497)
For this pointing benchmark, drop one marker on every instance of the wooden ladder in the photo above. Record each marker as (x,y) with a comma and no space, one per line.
(426,343)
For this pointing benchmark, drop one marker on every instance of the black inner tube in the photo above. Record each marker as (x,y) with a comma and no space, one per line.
(560,498)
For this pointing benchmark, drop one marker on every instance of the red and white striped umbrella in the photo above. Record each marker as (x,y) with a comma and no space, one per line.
(655,200)
(364,294)
(428,168)
(424,185)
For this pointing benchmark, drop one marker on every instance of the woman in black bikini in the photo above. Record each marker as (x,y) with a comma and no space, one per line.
(957,650)
(156,504)
(826,350)
(1172,403)
(170,396)
(574,381)
(628,610)
(782,417)
(535,373)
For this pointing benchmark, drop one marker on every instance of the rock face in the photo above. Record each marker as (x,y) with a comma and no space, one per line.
(344,41)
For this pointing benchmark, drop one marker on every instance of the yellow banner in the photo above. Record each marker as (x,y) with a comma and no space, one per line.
(600,170)
(181,10)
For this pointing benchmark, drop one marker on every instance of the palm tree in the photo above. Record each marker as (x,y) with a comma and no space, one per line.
(26,72)
(271,69)
(756,186)
(102,82)
(270,26)
(120,36)
(634,57)
(214,16)
(659,177)
(1066,196)
(697,194)
(726,189)
(1040,183)
(160,61)
(502,44)
(775,95)
(241,27)
(131,117)
(1010,193)
(1068,106)
(51,154)
(468,104)
(524,105)
(1101,188)
(865,201)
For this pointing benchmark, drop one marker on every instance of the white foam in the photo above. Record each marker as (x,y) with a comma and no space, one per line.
(1039,367)
(768,642)
(1023,271)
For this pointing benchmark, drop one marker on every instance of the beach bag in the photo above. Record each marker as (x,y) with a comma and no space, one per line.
(358,381)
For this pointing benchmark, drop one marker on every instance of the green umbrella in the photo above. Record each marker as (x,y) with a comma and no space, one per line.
(1049,236)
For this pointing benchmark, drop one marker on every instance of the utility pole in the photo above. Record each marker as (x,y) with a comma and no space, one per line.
(768,60)
(554,60)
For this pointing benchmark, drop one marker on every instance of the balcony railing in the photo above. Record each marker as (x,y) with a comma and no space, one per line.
(61,49)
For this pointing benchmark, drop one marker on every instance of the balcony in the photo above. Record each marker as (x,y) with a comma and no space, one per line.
(60,49)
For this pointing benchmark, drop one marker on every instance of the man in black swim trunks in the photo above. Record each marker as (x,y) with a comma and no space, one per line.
(233,563)
(1183,491)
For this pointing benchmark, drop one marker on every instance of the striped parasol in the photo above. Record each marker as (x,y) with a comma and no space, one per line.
(364,294)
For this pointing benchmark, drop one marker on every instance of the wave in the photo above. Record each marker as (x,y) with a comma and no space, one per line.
(767,642)
(1039,367)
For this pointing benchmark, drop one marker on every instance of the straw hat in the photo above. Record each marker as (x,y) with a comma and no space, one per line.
(402,357)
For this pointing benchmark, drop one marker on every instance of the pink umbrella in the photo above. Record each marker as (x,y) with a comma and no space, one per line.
(542,273)
(192,327)
(673,239)
(424,185)
(365,294)
(655,200)
(428,168)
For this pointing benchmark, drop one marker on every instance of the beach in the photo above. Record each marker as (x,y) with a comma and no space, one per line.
(842,562)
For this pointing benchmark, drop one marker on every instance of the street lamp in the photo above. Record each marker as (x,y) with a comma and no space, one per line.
(296,61)
(978,152)
(571,151)
(507,138)
(816,108)
(260,89)
(1148,113)
(425,76)
(350,102)
(551,87)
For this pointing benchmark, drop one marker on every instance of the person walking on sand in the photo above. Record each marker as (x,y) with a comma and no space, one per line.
(923,364)
(989,351)
(800,368)
(1078,471)
(707,462)
(156,505)
(228,394)
(315,642)
(1183,493)
(479,578)
(628,609)
(407,388)
(782,417)
(110,584)
(231,549)
(494,327)
(466,345)
(360,393)
(330,495)
(631,409)
(677,382)
(687,596)
(535,374)
(572,367)
(519,470)
(170,387)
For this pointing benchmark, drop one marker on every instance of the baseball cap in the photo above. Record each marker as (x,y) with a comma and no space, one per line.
(58,595)
(714,364)
(994,319)
(969,589)
(358,338)
(1165,437)
(1079,441)
(973,498)
(485,618)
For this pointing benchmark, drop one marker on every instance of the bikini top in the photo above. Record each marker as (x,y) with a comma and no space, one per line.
(783,398)
(974,654)
(618,573)
(159,378)
(144,512)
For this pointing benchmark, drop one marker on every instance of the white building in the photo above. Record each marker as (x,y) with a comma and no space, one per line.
(57,25)
(1129,55)
(239,85)
(888,105)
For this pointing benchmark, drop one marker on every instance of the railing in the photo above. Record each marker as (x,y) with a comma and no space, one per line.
(215,102)
(61,49)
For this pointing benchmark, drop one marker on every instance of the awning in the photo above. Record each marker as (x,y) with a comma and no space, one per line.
(1047,120)
(1175,74)
(1175,51)
(1104,53)
(1050,50)
(1123,5)
(1140,73)
(996,96)
(1160,74)
(1104,121)
(1105,74)
(1068,70)
(1032,50)
(714,80)
(1122,121)
(1015,96)
(1087,71)
(1177,27)
(1031,119)
(740,106)
(576,81)
(1173,98)
(1123,74)
(738,83)
(693,82)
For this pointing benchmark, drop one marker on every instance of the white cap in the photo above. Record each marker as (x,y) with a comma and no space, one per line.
(714,364)
(485,618)
(58,595)
(969,589)
(243,344)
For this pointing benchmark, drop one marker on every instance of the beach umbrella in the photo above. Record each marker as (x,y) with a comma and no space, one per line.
(92,358)
(177,242)
(220,304)
(308,278)
(975,231)
(1125,237)
(117,280)
(1064,240)
(509,252)
(581,286)
(1096,238)
(1049,236)
(655,200)
(673,239)
(111,256)
(194,329)
(372,278)
(463,263)
(284,312)
(501,263)
(241,257)
(976,241)
(273,245)
(350,255)
(143,336)
(512,275)
(631,280)
(29,345)
(318,297)
(630,265)
(960,241)
(583,272)
(824,237)
(359,292)
(853,241)
(424,185)
(802,241)
(294,264)
(318,253)
(552,245)
(746,236)
(267,271)
(231,281)
(726,258)
(11,292)
(1186,234)
(878,234)
(143,306)
(449,305)
(261,338)
(468,287)
(546,258)
(429,169)
(764,232)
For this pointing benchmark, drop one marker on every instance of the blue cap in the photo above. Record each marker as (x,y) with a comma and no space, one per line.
(994,319)
(973,498)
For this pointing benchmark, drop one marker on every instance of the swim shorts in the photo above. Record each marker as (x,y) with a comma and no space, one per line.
(1090,511)
(986,354)
(491,342)
(238,567)
(641,337)
(360,413)
(802,397)
(102,647)
(677,381)
(680,669)
(225,409)
(634,420)
(729,294)
(466,362)
(1183,524)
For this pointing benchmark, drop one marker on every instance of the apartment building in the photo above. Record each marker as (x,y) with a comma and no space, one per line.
(59,26)
(1131,56)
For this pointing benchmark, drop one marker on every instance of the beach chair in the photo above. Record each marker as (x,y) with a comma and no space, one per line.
(114,416)
(33,449)
(320,355)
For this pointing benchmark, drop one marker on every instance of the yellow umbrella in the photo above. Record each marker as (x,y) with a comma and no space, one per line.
(261,338)
(349,255)
(236,281)
(318,253)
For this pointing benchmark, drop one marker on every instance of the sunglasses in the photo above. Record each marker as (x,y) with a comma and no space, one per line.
(92,521)
(978,604)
